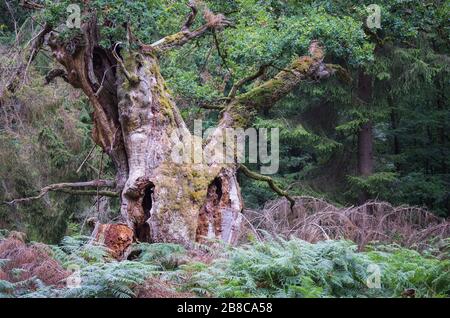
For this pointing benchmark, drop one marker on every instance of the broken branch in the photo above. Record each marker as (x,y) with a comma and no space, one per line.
(214,22)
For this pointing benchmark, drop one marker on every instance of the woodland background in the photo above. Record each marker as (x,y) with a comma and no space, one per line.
(384,136)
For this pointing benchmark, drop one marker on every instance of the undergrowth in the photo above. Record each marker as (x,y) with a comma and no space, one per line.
(273,267)
(295,268)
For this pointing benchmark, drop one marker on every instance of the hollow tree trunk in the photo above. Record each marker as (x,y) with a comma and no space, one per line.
(164,201)
(137,124)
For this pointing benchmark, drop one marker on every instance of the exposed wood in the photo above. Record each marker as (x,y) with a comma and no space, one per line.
(117,238)
(214,22)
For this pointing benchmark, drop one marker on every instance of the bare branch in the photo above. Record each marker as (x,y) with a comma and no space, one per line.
(101,193)
(269,180)
(219,51)
(99,90)
(191,17)
(66,187)
(87,158)
(12,17)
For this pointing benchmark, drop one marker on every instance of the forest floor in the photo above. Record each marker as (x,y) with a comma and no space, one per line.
(268,262)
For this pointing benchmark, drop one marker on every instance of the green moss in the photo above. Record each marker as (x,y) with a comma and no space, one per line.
(198,196)
(129,60)
(174,38)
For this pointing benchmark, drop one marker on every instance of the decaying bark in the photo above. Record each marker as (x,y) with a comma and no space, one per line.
(136,122)
(116,237)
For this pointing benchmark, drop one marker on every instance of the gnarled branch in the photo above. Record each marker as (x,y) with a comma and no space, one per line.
(191,17)
(66,187)
(243,107)
(256,176)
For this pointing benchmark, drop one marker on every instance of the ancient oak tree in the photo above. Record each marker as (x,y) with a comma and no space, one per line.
(135,118)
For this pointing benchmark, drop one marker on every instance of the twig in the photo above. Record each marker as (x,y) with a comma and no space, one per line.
(103,80)
(13,18)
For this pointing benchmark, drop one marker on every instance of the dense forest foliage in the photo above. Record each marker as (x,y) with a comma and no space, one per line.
(377,130)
